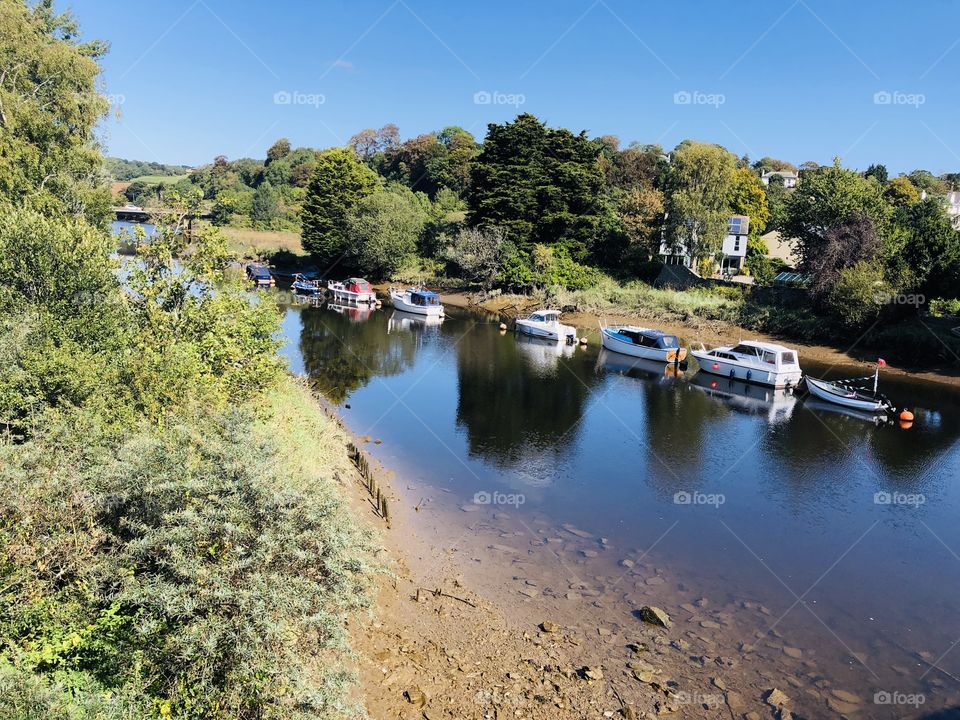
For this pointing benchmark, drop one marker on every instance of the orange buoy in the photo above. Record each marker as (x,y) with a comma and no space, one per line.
(906,416)
(905,424)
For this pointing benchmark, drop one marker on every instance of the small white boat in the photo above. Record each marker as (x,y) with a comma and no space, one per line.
(753,361)
(418,301)
(546,325)
(842,392)
(355,290)
(643,343)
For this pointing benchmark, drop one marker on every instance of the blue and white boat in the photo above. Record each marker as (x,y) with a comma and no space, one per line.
(418,301)
(302,286)
(641,342)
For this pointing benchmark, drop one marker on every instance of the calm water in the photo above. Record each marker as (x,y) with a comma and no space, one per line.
(846,531)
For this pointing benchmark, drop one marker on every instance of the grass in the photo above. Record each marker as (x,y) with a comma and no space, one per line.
(253,244)
(157,179)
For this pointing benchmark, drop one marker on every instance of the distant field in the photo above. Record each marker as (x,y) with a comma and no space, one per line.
(251,242)
(156,179)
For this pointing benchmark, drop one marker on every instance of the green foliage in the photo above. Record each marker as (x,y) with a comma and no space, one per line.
(383,231)
(477,255)
(855,300)
(122,170)
(900,192)
(541,185)
(339,183)
(930,249)
(265,207)
(747,197)
(940,307)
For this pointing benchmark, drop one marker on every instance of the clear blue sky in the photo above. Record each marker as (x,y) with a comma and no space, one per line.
(795,79)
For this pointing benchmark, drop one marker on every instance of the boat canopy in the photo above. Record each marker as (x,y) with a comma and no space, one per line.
(545,315)
(357,285)
(424,297)
(648,338)
(259,272)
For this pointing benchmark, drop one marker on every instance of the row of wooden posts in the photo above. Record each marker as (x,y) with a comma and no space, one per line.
(370,482)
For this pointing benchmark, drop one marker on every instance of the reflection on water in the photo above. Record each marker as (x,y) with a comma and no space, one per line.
(812,525)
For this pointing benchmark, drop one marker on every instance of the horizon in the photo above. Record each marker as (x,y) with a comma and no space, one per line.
(212,78)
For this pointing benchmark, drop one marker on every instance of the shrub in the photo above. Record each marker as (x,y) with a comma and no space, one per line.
(940,307)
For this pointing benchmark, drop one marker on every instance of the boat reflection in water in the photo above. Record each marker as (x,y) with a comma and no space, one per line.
(401,321)
(638,367)
(353,311)
(776,404)
(816,405)
(541,354)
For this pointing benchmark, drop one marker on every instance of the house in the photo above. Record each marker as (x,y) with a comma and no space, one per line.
(780,248)
(789,177)
(734,248)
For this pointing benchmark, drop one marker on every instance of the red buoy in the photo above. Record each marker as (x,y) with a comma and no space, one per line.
(906,416)
(716,366)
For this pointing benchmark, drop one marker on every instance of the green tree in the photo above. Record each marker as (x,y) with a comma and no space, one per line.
(383,231)
(477,254)
(877,172)
(279,150)
(339,183)
(541,185)
(901,192)
(698,192)
(266,205)
(827,199)
(931,249)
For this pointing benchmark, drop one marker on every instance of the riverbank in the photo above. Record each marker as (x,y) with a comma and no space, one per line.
(696,329)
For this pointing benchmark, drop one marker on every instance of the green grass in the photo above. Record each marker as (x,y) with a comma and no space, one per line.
(257,244)
(157,179)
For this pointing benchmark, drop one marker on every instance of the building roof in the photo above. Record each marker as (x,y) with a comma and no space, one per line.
(781,173)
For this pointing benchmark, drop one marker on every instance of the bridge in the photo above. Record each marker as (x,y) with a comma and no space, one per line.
(137,214)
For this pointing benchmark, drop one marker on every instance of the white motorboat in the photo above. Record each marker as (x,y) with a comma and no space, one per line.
(355,290)
(546,325)
(418,301)
(643,343)
(847,394)
(753,361)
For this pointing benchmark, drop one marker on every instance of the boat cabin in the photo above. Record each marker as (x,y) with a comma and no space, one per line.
(767,354)
(425,298)
(259,274)
(357,285)
(648,338)
(545,316)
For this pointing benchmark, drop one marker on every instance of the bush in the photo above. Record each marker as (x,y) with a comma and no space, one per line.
(853,300)
(940,307)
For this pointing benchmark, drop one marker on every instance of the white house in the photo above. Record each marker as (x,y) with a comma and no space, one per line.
(789,177)
(734,247)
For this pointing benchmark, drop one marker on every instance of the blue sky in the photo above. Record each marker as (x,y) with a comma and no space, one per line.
(795,79)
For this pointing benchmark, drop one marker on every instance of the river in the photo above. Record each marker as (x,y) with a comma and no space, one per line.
(819,542)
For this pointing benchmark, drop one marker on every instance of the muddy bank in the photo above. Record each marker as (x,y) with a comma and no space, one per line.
(709,332)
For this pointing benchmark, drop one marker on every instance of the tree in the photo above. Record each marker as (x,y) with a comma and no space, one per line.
(878,173)
(777,197)
(383,231)
(900,192)
(541,185)
(370,143)
(340,181)
(748,197)
(698,191)
(766,164)
(49,109)
(641,212)
(280,149)
(636,166)
(826,200)
(931,249)
(926,180)
(477,254)
(853,241)
(266,205)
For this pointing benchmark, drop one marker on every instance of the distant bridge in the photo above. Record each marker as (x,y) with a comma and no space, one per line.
(134,213)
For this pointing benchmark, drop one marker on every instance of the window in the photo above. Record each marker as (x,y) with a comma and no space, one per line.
(746,350)
(788,358)
(769,357)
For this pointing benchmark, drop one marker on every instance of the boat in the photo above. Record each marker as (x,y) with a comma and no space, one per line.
(260,275)
(776,404)
(643,342)
(418,301)
(753,361)
(847,393)
(303,286)
(546,325)
(354,290)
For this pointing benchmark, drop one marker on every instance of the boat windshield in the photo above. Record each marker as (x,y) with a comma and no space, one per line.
(424,298)
(537,317)
(669,341)
(748,350)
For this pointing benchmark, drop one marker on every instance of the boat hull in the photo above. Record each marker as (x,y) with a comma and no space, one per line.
(747,373)
(556,332)
(624,347)
(353,297)
(400,303)
(845,398)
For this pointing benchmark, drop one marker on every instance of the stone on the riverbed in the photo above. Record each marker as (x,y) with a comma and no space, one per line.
(549,627)
(655,616)
(795,653)
(627,563)
(593,673)
(844,696)
(776,698)
(576,531)
(415,696)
